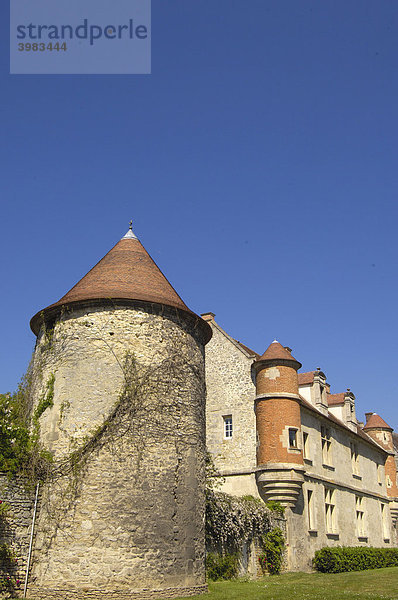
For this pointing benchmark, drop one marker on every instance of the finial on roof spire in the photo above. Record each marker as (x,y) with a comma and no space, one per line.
(275,342)
(130,235)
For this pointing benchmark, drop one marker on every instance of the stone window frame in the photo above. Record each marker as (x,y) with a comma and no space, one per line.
(293,438)
(360,517)
(326,444)
(354,458)
(384,521)
(379,469)
(228,427)
(306,447)
(330,511)
(311,510)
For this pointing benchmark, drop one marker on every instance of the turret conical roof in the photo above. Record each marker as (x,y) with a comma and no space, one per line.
(276,351)
(127,272)
(375,421)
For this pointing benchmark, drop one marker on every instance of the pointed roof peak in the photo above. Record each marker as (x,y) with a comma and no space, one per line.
(276,351)
(127,272)
(130,235)
(375,421)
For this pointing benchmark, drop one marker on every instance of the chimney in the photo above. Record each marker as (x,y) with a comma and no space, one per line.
(368,415)
(209,316)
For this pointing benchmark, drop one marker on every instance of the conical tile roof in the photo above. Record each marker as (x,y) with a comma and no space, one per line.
(375,421)
(127,272)
(276,351)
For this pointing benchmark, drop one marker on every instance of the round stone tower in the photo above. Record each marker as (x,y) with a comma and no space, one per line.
(119,398)
(279,456)
(381,432)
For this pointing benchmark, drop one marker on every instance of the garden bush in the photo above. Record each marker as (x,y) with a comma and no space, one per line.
(273,547)
(221,566)
(338,560)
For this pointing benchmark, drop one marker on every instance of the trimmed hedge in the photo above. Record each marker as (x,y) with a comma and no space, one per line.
(338,560)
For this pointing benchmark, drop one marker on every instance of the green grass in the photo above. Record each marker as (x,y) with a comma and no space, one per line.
(376,584)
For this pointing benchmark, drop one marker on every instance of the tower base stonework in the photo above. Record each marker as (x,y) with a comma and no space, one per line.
(129,519)
(144,594)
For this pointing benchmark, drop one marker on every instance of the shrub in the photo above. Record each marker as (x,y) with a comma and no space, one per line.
(272,556)
(337,560)
(221,566)
(233,521)
(275,506)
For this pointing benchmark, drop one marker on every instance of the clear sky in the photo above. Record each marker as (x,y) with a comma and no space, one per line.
(258,163)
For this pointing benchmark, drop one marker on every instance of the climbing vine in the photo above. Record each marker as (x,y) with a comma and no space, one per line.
(9,583)
(271,558)
(233,521)
(21,451)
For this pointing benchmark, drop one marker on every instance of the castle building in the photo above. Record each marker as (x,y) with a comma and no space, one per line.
(118,388)
(282,436)
(119,393)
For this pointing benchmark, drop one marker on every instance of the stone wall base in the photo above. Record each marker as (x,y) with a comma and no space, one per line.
(145,594)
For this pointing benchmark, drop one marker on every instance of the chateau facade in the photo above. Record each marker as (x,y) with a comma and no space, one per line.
(280,435)
(118,394)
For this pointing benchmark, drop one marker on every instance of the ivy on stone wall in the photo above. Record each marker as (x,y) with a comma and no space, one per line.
(234,521)
(9,583)
(20,449)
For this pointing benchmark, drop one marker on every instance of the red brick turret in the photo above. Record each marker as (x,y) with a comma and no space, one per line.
(279,455)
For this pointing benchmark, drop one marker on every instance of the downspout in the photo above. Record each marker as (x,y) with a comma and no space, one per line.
(31,542)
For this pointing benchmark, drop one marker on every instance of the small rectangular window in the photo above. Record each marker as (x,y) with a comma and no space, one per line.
(354,458)
(326,443)
(228,426)
(360,516)
(379,474)
(293,438)
(330,511)
(384,517)
(306,445)
(311,512)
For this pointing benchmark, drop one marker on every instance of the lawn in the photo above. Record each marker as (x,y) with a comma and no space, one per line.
(376,584)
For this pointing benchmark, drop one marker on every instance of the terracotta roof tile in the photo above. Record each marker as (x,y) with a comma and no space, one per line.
(248,350)
(126,272)
(306,378)
(334,399)
(276,351)
(376,421)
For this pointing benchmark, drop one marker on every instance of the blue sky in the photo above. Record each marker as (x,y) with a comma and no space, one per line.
(258,163)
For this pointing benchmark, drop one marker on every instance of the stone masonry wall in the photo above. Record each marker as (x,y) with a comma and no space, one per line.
(308,535)
(231,391)
(131,520)
(15,527)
